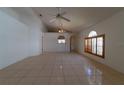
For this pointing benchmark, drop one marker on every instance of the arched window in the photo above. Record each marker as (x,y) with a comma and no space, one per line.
(94,44)
(61,40)
(92,33)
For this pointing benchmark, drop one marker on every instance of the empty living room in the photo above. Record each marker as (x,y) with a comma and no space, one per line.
(61,45)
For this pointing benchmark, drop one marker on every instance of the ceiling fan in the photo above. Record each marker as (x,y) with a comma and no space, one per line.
(59,16)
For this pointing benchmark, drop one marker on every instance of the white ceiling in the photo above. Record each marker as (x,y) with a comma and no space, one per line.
(80,17)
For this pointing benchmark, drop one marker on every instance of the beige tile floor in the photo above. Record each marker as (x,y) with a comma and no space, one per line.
(59,69)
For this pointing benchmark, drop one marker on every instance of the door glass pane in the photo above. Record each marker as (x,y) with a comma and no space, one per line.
(94,45)
(85,44)
(89,48)
(100,46)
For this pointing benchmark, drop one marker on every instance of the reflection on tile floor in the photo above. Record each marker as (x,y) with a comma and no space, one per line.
(59,69)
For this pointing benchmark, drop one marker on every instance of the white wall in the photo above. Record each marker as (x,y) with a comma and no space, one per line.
(20,35)
(113,28)
(50,43)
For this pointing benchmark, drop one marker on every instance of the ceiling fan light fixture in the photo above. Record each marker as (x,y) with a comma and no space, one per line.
(61,31)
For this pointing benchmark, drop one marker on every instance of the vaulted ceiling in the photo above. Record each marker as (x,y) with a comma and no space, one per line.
(81,17)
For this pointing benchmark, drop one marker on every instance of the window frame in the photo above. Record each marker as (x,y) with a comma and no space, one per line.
(61,37)
(91,52)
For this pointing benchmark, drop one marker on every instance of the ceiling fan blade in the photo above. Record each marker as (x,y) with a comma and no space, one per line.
(52,20)
(65,18)
(63,13)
